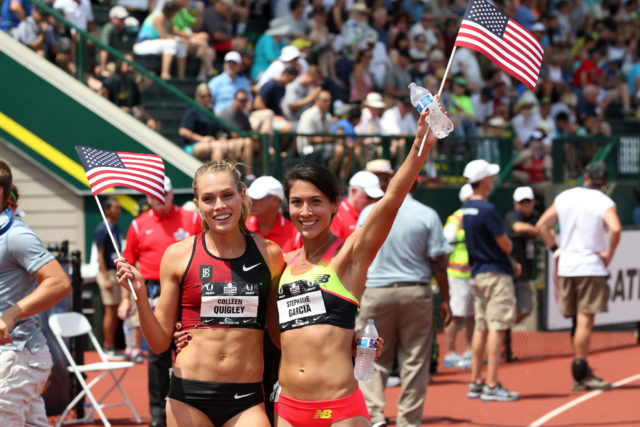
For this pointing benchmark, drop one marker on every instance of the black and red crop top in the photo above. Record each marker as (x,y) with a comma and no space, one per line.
(228,293)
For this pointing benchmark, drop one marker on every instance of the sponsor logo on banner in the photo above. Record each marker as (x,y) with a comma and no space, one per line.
(294,288)
(206,273)
(230,289)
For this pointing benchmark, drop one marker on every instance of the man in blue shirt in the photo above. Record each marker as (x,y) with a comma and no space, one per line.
(31,281)
(491,281)
(224,87)
(12,13)
(398,297)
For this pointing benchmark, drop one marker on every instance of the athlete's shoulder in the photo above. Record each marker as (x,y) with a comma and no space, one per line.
(271,252)
(179,249)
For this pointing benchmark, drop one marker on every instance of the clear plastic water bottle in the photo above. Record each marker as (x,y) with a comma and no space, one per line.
(129,334)
(365,351)
(422,98)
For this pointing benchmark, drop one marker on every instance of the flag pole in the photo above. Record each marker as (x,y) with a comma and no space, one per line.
(113,240)
(444,79)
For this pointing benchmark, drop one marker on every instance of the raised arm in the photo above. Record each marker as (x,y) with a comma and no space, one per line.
(361,247)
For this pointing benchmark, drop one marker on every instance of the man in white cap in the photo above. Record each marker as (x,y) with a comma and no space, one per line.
(520,224)
(370,123)
(364,189)
(461,299)
(224,86)
(290,56)
(149,235)
(492,274)
(398,297)
(115,35)
(590,233)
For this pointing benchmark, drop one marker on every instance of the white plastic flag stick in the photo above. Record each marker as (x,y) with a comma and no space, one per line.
(115,246)
(444,79)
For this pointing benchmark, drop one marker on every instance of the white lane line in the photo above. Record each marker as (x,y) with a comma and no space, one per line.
(579,400)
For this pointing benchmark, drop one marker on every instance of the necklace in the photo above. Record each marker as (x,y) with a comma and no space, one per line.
(320,249)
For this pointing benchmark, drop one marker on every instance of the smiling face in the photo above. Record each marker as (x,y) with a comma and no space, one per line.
(310,209)
(219,202)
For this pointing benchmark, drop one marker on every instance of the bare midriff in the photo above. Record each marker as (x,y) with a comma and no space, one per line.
(224,355)
(316,363)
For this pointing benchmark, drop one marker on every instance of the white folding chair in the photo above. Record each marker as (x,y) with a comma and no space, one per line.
(66,325)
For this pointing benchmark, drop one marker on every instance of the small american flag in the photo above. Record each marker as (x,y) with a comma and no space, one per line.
(106,169)
(506,43)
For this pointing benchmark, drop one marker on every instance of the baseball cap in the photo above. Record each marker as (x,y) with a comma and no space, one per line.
(289,53)
(265,186)
(465,192)
(167,185)
(233,56)
(597,172)
(379,166)
(118,12)
(523,193)
(477,170)
(368,182)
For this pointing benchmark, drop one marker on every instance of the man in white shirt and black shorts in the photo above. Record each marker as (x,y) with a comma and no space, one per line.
(587,217)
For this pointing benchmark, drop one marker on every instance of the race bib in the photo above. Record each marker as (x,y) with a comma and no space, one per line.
(299,304)
(230,303)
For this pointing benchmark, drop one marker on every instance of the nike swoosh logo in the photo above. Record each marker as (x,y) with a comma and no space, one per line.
(245,268)
(315,319)
(240,396)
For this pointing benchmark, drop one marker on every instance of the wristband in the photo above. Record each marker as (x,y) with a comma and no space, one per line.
(553,248)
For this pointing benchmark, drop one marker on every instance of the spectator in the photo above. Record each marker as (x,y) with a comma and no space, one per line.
(398,298)
(186,26)
(436,64)
(382,169)
(217,21)
(380,61)
(461,108)
(12,13)
(488,147)
(520,224)
(106,278)
(525,14)
(589,238)
(236,113)
(347,125)
(198,131)
(426,26)
(301,93)
(289,57)
(31,282)
(526,119)
(354,30)
(400,119)
(364,189)
(269,45)
(224,87)
(398,76)
(483,105)
(148,237)
(270,98)
(78,12)
(532,166)
(296,21)
(122,89)
(36,32)
(156,38)
(114,34)
(379,24)
(322,49)
(461,298)
(370,123)
(491,281)
(361,80)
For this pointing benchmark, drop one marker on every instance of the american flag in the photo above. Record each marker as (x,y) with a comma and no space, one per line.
(506,43)
(106,169)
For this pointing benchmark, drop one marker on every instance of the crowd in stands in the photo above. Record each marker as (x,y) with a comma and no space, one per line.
(363,55)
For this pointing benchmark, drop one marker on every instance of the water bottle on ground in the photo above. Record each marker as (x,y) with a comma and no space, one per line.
(365,351)
(129,334)
(422,98)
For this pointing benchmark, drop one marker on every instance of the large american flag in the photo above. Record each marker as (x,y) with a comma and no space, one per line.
(106,169)
(506,43)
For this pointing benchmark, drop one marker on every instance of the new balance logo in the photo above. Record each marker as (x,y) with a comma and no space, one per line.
(323,413)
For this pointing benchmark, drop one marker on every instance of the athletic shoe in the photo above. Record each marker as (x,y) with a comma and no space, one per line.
(393,381)
(114,354)
(498,393)
(451,360)
(591,383)
(475,390)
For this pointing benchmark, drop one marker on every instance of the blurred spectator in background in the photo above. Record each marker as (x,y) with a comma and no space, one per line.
(187,26)
(483,105)
(590,113)
(224,87)
(217,21)
(364,189)
(122,89)
(12,13)
(526,14)
(346,125)
(489,146)
(236,113)
(398,77)
(289,57)
(269,46)
(114,34)
(361,80)
(301,93)
(382,169)
(526,118)
(427,27)
(380,61)
(296,20)
(461,108)
(270,98)
(354,31)
(322,50)
(36,32)
(532,166)
(400,119)
(156,38)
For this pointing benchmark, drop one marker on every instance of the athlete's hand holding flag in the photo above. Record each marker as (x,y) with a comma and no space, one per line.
(106,169)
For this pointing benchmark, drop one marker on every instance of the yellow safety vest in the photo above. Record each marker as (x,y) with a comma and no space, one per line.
(459,258)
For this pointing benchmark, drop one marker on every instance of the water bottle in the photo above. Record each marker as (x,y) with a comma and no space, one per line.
(129,334)
(422,98)
(365,351)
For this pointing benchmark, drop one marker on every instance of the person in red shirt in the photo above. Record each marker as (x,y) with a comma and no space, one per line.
(266,194)
(364,189)
(148,237)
